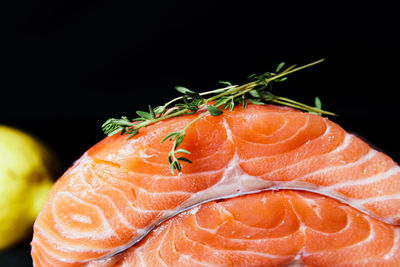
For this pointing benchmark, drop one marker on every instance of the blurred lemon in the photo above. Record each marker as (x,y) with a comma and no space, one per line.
(26,169)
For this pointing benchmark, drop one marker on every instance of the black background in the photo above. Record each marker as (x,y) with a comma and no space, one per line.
(68,66)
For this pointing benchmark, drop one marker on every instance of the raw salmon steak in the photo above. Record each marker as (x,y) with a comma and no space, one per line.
(120,189)
(305,229)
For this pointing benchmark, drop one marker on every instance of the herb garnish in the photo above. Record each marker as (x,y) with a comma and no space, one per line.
(257,91)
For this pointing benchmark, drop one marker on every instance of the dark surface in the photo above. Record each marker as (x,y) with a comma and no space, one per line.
(17,256)
(68,66)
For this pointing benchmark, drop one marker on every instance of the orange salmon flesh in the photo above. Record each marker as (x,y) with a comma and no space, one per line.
(268,186)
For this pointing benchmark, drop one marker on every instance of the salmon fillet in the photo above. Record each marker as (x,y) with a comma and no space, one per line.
(267,229)
(120,189)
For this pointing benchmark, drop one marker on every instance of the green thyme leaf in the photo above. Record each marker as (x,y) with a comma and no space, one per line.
(179,140)
(279,67)
(188,92)
(159,110)
(171,136)
(184,159)
(318,103)
(214,110)
(256,101)
(254,93)
(144,115)
(183,90)
(152,113)
(181,150)
(281,80)
(225,83)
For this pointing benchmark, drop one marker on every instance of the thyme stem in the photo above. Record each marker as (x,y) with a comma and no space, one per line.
(257,91)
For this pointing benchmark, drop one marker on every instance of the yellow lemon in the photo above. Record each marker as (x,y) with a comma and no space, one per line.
(26,169)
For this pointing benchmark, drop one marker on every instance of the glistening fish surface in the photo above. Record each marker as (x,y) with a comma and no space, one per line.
(121,189)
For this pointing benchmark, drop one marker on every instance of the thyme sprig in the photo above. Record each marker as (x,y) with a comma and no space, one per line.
(257,91)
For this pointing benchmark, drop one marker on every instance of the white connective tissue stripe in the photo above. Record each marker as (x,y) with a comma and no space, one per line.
(106,230)
(235,183)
